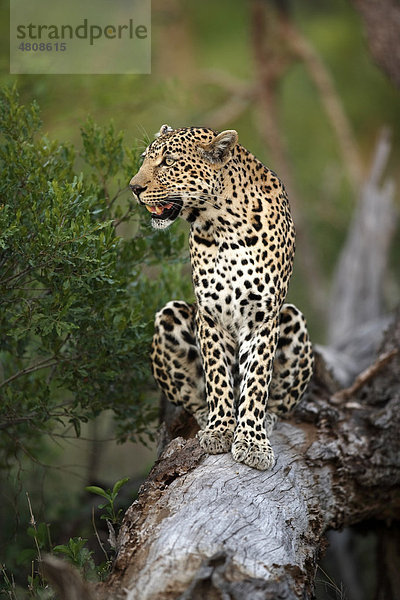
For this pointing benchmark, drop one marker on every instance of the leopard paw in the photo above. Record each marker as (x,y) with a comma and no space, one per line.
(201,417)
(215,441)
(256,454)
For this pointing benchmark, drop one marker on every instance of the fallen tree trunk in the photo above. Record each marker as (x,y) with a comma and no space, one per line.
(207,527)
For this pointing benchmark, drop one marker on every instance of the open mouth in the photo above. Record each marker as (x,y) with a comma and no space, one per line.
(165,210)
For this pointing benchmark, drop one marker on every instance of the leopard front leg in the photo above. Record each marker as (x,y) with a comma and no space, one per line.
(218,354)
(257,346)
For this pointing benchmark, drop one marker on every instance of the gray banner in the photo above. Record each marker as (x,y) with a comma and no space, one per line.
(94,36)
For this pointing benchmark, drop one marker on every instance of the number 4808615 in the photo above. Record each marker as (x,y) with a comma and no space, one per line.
(42,47)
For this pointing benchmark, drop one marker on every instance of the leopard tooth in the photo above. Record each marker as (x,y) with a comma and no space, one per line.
(159,210)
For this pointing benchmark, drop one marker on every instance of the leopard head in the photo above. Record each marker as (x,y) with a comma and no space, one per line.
(181,172)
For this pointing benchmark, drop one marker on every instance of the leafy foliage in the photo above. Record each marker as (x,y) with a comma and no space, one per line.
(75,551)
(76,304)
(110,513)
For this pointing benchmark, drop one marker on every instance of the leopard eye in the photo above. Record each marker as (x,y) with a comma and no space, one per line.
(168,161)
(141,159)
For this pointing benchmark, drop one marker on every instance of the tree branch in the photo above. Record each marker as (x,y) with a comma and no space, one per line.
(357,291)
(205,526)
(364,377)
(44,364)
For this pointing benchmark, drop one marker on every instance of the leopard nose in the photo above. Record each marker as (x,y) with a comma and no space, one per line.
(137,189)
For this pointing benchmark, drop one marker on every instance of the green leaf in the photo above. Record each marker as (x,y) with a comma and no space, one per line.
(118,485)
(61,548)
(97,490)
(77,426)
(26,556)
(42,534)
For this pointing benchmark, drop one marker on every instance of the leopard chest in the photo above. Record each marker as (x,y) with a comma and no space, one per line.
(231,281)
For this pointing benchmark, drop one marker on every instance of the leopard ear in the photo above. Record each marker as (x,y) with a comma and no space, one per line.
(163,130)
(219,151)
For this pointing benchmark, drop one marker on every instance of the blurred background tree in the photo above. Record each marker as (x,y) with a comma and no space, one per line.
(296,79)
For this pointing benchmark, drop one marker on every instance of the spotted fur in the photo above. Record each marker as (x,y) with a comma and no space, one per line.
(239,357)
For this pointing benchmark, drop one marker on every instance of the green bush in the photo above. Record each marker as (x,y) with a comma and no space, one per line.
(76,301)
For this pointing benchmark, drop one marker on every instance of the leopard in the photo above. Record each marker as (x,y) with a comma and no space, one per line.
(239,357)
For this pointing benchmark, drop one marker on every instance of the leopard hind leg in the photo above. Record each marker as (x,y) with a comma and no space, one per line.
(176,361)
(293,364)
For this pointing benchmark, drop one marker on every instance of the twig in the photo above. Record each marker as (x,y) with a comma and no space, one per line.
(33,523)
(117,195)
(106,193)
(61,468)
(98,537)
(364,377)
(124,217)
(44,364)
(11,422)
(19,274)
(10,583)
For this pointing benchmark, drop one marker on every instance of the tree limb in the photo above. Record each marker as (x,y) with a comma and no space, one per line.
(365,376)
(207,527)
(43,364)
(357,296)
